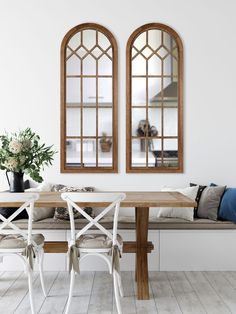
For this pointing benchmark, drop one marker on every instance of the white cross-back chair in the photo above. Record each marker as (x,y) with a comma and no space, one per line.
(105,244)
(19,242)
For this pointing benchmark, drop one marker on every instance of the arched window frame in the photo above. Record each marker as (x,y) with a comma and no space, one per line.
(132,38)
(98,169)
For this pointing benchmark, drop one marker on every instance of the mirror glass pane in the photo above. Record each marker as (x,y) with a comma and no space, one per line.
(89,152)
(73,155)
(89,100)
(89,121)
(104,121)
(73,121)
(154,100)
(73,90)
(138,152)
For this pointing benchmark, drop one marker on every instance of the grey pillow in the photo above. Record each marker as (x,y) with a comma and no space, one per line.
(62,213)
(210,202)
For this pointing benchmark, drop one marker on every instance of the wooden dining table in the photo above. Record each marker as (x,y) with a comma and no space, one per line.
(141,202)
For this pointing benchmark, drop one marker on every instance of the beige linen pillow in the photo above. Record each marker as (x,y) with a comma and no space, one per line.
(41,213)
(186,213)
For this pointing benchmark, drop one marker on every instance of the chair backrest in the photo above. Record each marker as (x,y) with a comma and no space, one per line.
(108,201)
(27,203)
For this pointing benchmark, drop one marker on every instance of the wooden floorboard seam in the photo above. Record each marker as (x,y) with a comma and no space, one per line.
(49,291)
(222,299)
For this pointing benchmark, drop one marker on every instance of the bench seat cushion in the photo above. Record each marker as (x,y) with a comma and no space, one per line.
(128,222)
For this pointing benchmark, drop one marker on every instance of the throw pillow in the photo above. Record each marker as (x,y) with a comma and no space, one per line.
(180,212)
(198,197)
(62,213)
(41,213)
(210,201)
(227,210)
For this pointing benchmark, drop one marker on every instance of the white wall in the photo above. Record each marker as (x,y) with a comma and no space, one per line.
(30,36)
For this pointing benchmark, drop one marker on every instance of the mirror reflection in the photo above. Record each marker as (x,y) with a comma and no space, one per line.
(89,100)
(154,100)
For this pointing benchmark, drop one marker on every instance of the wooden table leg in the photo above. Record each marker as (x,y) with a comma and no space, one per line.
(136,248)
(142,216)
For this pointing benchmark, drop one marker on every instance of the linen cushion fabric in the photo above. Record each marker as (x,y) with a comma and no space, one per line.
(227,210)
(62,213)
(17,241)
(96,241)
(210,201)
(186,213)
(198,197)
(41,213)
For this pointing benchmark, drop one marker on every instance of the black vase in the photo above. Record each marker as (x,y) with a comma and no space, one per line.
(16,181)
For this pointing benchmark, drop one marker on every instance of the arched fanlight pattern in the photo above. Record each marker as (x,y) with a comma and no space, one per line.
(154,81)
(89,100)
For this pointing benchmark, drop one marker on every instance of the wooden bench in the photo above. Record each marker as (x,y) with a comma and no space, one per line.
(125,223)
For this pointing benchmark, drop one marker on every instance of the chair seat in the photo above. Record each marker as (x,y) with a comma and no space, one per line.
(17,241)
(96,241)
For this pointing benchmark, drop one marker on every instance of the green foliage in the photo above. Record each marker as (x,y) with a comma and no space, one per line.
(22,152)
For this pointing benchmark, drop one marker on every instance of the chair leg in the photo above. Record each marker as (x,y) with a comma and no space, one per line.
(40,262)
(72,281)
(29,273)
(117,293)
(120,284)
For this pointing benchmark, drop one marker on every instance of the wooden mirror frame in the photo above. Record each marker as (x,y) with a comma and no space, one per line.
(66,39)
(141,169)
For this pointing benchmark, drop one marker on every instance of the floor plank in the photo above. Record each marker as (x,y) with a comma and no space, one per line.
(128,301)
(144,306)
(187,298)
(231,277)
(15,294)
(223,288)
(24,306)
(101,300)
(211,302)
(57,297)
(6,281)
(163,294)
(170,293)
(82,292)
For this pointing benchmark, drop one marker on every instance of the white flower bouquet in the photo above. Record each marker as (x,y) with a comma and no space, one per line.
(21,152)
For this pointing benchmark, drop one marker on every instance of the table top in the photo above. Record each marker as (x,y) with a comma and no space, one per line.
(133,199)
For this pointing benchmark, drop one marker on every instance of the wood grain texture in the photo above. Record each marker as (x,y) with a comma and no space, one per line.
(163,294)
(94,293)
(62,247)
(24,306)
(186,296)
(142,262)
(210,300)
(133,199)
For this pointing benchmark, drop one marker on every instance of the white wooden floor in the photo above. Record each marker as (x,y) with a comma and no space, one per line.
(171,292)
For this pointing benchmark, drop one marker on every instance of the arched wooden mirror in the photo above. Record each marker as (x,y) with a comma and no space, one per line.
(154,100)
(89,100)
